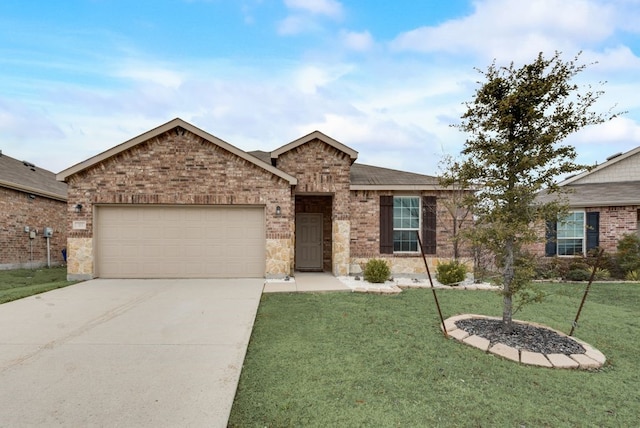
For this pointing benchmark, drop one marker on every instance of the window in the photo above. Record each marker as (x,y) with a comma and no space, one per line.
(406,223)
(401,217)
(570,234)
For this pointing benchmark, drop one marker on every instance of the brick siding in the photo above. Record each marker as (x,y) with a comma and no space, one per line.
(365,232)
(17,210)
(179,167)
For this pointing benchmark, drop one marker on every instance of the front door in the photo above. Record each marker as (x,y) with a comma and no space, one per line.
(309,241)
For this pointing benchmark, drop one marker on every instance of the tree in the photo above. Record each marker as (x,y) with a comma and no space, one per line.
(515,124)
(455,202)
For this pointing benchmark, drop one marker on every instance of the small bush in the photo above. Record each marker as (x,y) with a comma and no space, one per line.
(578,275)
(632,275)
(451,272)
(628,255)
(376,271)
(602,274)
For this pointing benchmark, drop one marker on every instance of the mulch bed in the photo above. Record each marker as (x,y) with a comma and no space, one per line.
(524,336)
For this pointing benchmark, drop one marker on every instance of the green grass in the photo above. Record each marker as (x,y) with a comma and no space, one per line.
(19,283)
(350,359)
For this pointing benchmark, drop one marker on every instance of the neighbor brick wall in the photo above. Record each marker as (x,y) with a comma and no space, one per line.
(179,167)
(615,222)
(17,210)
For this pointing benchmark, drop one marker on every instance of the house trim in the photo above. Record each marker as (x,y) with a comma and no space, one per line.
(32,190)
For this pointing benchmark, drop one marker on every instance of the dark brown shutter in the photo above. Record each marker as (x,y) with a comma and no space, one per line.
(429,224)
(386,224)
(550,247)
(593,230)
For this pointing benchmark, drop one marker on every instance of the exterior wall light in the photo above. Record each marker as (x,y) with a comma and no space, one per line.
(278,210)
(78,208)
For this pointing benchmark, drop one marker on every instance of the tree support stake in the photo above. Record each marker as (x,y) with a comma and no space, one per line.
(433,290)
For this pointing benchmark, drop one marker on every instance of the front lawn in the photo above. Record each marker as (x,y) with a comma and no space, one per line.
(350,359)
(19,283)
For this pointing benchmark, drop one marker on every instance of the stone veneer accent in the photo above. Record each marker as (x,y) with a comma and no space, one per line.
(341,230)
(279,258)
(80,259)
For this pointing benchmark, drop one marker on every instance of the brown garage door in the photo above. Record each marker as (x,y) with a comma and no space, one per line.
(179,242)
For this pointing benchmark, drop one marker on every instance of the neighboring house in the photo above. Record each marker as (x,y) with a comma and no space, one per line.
(177,201)
(31,199)
(604,205)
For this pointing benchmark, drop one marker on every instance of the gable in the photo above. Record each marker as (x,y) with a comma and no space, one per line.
(618,168)
(176,127)
(316,135)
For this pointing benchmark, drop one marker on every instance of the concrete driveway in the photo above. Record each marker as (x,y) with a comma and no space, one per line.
(126,353)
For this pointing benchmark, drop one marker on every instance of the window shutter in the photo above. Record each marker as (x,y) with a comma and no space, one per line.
(550,248)
(386,224)
(593,230)
(429,224)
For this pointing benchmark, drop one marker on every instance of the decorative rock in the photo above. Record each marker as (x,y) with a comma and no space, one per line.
(534,359)
(562,361)
(478,342)
(585,362)
(505,351)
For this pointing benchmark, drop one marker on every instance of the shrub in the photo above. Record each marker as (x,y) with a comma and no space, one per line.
(628,255)
(376,271)
(632,275)
(451,272)
(602,273)
(578,275)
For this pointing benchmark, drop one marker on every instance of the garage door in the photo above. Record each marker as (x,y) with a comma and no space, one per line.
(179,242)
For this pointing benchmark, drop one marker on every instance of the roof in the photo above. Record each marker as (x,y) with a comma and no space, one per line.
(173,124)
(598,194)
(313,136)
(26,177)
(367,177)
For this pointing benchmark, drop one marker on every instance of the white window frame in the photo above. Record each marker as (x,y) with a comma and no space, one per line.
(582,228)
(401,229)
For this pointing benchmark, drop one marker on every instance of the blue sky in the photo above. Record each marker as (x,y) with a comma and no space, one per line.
(386,78)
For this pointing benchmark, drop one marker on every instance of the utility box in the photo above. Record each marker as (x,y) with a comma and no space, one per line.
(48,232)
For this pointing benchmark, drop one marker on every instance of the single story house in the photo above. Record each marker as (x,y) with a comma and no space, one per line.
(32,202)
(604,205)
(177,201)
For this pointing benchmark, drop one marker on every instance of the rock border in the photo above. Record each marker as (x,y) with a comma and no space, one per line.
(591,359)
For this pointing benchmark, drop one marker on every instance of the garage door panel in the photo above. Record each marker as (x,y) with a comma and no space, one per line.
(180,242)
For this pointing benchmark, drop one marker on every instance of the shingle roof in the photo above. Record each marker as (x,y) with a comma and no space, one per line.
(26,177)
(377,176)
(599,194)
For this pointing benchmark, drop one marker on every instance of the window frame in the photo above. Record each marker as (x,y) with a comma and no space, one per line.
(417,230)
(582,238)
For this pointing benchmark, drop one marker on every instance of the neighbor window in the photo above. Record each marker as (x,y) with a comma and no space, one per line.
(406,223)
(570,234)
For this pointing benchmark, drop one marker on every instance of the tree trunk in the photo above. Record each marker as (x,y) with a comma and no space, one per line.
(508,275)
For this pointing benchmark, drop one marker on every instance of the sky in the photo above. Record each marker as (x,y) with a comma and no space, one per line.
(386,78)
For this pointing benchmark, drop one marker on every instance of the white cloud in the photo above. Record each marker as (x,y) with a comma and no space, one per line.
(296,24)
(310,78)
(515,30)
(357,41)
(143,72)
(330,8)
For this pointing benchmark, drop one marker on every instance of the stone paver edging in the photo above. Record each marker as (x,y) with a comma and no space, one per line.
(591,359)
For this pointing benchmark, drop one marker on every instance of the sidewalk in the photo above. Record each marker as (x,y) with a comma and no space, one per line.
(305,282)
